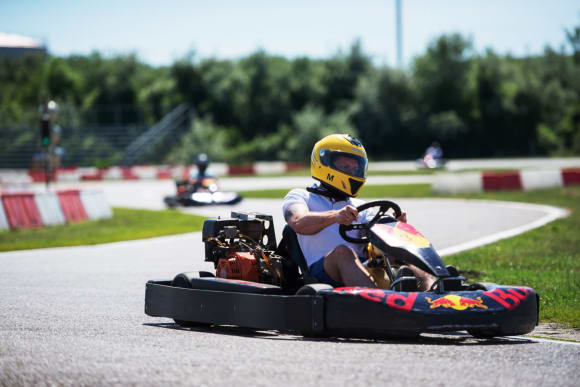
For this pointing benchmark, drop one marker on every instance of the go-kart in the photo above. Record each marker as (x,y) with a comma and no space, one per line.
(261,285)
(200,192)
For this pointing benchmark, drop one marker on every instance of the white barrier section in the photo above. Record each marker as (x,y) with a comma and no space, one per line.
(113,173)
(96,205)
(269,167)
(69,175)
(49,208)
(457,182)
(3,221)
(145,172)
(541,179)
(392,166)
(218,169)
(14,176)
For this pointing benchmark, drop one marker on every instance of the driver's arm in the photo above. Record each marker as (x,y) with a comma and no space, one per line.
(306,222)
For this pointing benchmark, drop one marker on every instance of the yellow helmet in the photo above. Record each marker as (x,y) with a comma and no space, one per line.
(339,162)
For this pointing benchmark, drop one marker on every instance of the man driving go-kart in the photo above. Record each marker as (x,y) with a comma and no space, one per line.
(199,177)
(332,272)
(339,163)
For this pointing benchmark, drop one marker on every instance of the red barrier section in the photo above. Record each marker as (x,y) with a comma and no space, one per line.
(490,181)
(496,181)
(511,181)
(92,176)
(295,166)
(247,169)
(164,175)
(571,176)
(21,210)
(38,175)
(71,205)
(128,174)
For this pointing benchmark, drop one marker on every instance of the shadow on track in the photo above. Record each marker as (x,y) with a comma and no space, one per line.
(454,338)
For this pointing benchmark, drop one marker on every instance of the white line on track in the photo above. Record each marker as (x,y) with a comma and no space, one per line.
(552,213)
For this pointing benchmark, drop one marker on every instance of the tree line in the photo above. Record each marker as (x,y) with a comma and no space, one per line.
(265,107)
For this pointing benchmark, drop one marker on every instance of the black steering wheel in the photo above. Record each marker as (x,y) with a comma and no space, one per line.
(384,206)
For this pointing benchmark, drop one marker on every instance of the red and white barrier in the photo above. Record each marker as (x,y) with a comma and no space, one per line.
(72,174)
(71,205)
(3,221)
(95,205)
(49,208)
(535,173)
(29,210)
(526,180)
(21,210)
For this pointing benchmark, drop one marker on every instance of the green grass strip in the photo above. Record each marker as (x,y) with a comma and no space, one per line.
(126,224)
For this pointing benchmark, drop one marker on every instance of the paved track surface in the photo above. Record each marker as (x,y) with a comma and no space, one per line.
(74,316)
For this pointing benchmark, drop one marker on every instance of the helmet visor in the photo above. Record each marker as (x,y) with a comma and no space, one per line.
(352,165)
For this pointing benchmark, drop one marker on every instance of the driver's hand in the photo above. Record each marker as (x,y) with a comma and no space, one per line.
(403,217)
(346,215)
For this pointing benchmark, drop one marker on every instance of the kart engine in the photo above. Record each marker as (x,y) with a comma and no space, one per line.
(242,247)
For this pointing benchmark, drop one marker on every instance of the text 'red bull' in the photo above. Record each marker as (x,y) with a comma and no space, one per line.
(403,301)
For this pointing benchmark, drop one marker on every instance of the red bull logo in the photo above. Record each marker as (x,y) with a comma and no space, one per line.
(456,302)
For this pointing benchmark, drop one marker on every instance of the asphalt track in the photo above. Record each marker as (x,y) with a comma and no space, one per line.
(74,316)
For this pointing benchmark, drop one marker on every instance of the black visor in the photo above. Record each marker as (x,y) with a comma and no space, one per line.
(353,165)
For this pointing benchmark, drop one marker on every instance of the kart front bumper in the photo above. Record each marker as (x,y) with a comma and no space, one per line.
(346,312)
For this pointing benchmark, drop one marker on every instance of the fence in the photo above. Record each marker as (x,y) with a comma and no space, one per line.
(88,144)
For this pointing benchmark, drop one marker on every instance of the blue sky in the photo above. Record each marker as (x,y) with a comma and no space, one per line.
(163,31)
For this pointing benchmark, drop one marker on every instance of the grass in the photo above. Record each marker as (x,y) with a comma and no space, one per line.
(126,224)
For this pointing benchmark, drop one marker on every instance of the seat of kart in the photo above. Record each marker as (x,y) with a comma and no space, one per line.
(290,248)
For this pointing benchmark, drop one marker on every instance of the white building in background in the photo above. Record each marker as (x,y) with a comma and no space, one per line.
(16,46)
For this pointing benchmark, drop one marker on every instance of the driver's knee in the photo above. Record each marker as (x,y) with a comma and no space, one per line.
(341,253)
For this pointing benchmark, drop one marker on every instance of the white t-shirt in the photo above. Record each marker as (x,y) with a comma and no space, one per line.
(317,245)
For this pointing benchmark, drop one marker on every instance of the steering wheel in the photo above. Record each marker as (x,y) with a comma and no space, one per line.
(384,206)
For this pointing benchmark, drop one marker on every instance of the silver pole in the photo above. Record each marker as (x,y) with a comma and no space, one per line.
(399,34)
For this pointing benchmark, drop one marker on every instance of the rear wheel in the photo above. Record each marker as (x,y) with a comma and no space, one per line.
(183,280)
(312,290)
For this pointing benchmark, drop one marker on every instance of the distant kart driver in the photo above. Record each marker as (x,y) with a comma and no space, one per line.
(200,178)
(339,163)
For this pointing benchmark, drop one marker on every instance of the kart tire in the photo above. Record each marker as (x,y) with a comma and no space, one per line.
(183,280)
(171,202)
(312,289)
